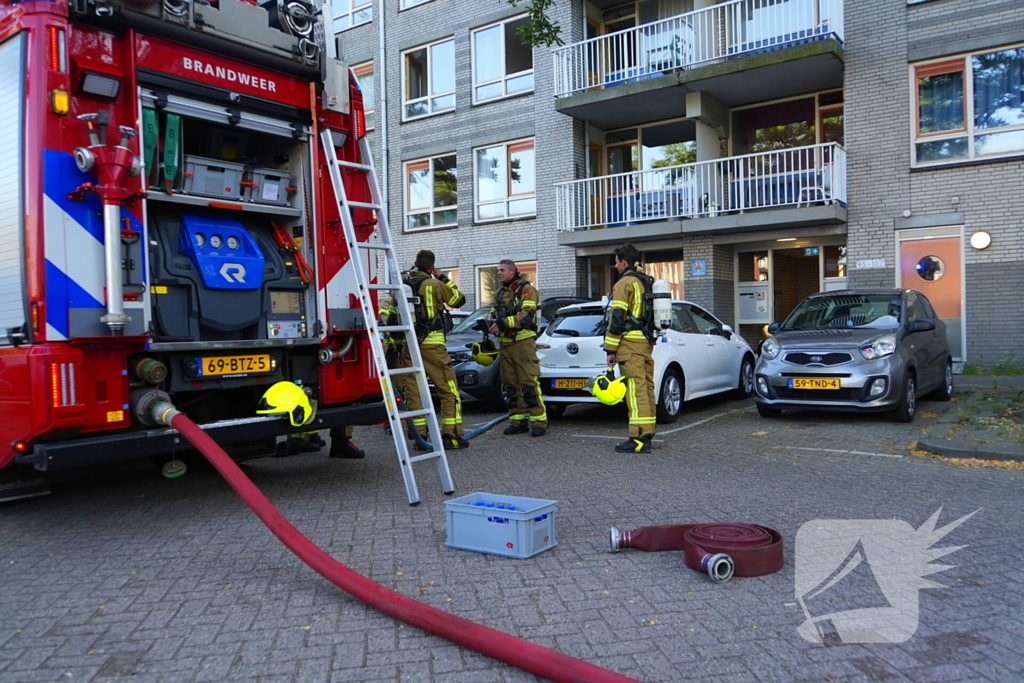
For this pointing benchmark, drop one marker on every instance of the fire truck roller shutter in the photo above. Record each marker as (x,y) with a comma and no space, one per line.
(219,277)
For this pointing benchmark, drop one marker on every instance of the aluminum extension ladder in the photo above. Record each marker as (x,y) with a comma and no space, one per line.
(358,251)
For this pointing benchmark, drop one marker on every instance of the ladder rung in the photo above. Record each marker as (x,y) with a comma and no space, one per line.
(394,328)
(408,414)
(351,164)
(426,456)
(403,371)
(364,205)
(385,288)
(373,245)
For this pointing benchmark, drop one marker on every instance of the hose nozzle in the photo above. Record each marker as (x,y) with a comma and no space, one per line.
(615,539)
(719,567)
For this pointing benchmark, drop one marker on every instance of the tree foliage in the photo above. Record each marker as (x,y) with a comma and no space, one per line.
(539,30)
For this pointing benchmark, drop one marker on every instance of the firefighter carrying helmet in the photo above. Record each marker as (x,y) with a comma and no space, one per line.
(484,352)
(290,398)
(607,388)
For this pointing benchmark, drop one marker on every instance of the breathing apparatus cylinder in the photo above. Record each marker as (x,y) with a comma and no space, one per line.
(662,301)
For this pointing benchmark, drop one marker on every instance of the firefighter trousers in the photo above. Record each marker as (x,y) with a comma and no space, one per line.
(438,365)
(409,387)
(637,365)
(520,370)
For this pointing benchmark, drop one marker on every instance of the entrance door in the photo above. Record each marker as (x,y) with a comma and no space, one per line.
(796,275)
(933,266)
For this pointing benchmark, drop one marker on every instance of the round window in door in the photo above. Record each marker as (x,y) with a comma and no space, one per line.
(931,268)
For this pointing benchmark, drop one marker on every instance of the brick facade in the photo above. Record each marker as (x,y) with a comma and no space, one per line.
(883,38)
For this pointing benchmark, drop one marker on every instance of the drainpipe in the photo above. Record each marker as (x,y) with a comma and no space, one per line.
(382,88)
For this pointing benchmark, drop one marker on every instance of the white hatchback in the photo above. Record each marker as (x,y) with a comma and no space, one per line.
(699,355)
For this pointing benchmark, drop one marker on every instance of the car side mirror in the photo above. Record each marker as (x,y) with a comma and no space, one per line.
(727,331)
(774,327)
(923,325)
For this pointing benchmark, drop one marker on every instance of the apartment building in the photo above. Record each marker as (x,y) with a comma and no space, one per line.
(464,125)
(714,136)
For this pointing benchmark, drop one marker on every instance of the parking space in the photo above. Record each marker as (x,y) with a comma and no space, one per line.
(126,576)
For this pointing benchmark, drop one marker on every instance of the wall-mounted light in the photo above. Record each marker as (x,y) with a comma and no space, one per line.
(981,240)
(100,85)
(786,239)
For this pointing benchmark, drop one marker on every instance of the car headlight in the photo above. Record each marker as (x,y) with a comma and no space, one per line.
(880,348)
(770,349)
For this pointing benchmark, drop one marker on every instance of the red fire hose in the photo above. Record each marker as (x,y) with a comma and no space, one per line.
(720,550)
(509,649)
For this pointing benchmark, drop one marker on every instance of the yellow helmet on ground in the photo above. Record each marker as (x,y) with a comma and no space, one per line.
(484,353)
(288,397)
(608,388)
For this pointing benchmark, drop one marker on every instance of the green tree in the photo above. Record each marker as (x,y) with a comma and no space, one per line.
(676,154)
(539,30)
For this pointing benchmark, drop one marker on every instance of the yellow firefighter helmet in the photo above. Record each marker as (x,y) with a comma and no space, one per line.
(290,398)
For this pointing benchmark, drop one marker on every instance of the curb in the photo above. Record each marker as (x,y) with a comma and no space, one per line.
(935,443)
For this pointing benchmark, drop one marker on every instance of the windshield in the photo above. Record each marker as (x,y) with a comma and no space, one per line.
(577,324)
(877,311)
(465,325)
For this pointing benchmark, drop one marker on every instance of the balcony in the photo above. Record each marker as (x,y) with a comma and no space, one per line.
(739,52)
(790,187)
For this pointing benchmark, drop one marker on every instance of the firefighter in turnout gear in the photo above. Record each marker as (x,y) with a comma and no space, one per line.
(629,341)
(514,322)
(435,291)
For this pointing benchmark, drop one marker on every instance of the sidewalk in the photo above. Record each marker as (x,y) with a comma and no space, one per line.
(985,420)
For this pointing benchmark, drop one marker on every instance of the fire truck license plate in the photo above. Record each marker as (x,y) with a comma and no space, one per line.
(814,383)
(570,383)
(233,365)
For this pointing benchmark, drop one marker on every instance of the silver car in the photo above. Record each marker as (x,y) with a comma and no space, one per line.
(863,350)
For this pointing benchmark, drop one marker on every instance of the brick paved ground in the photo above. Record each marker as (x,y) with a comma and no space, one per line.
(128,576)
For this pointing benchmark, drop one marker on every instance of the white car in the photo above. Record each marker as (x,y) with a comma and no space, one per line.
(699,355)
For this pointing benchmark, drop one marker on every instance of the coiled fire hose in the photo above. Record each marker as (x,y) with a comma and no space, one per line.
(719,550)
(503,647)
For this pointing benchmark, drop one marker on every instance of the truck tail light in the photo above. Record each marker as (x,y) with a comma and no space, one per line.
(58,50)
(64,384)
(360,123)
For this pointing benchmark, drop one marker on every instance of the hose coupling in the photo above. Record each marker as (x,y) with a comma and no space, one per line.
(719,567)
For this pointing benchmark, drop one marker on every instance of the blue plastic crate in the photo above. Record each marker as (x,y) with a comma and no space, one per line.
(501,525)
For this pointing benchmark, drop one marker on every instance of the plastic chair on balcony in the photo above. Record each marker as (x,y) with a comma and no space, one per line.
(820,191)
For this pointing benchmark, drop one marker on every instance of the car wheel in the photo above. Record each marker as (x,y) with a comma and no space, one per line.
(670,403)
(555,410)
(907,408)
(498,395)
(945,392)
(767,411)
(745,387)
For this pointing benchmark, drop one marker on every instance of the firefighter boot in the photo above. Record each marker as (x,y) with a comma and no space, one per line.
(455,442)
(640,444)
(538,431)
(517,428)
(342,446)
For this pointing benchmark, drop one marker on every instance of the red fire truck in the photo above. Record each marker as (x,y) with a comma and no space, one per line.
(167,223)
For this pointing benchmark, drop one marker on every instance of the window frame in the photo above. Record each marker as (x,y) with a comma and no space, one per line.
(408,211)
(350,11)
(430,81)
(507,182)
(963,64)
(695,312)
(524,266)
(361,70)
(505,77)
(406,4)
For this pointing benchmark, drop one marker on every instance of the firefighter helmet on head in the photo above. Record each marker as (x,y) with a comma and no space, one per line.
(290,398)
(608,388)
(484,353)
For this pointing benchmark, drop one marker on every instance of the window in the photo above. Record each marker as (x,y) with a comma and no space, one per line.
(406,4)
(506,181)
(502,64)
(681,321)
(367,83)
(970,107)
(753,267)
(705,323)
(835,261)
(431,193)
(351,13)
(429,75)
(488,283)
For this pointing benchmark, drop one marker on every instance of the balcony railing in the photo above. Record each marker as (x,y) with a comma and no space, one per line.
(728,30)
(801,176)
